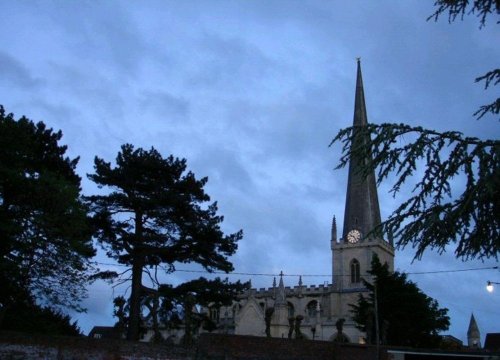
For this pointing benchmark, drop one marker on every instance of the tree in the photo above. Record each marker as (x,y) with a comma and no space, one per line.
(406,316)
(483,9)
(45,237)
(432,217)
(207,293)
(157,214)
(28,317)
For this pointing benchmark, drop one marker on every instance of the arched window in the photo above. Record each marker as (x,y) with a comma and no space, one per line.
(311,308)
(214,314)
(355,271)
(291,310)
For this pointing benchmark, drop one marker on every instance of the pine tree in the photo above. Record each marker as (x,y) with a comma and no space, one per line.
(156,215)
(45,237)
(406,316)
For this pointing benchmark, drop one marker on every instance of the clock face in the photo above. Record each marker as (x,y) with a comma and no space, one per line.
(353,236)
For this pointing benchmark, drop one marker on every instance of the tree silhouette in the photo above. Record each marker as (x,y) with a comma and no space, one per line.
(156,215)
(406,316)
(45,235)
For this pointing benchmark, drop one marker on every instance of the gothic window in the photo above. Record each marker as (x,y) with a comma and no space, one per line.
(291,310)
(214,314)
(236,309)
(355,278)
(311,308)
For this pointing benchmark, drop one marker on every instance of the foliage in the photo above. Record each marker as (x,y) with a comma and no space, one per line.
(494,108)
(434,216)
(28,317)
(120,312)
(156,215)
(406,316)
(204,292)
(179,302)
(45,236)
(483,9)
(455,8)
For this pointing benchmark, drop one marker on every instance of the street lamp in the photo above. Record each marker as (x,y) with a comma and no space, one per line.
(489,285)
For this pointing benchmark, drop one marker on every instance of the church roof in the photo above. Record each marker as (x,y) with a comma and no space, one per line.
(492,341)
(362,211)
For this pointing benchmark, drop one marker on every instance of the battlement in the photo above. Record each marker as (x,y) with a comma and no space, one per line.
(289,291)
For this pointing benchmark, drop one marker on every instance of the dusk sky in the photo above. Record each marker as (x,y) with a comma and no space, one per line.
(251,94)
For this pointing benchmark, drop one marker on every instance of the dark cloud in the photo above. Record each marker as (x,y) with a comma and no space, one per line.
(13,74)
(168,105)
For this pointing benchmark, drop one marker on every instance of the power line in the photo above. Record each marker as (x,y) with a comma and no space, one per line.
(452,271)
(309,275)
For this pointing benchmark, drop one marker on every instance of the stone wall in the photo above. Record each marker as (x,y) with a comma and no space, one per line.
(235,347)
(15,346)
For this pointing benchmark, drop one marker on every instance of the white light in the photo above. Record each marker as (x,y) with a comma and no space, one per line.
(489,286)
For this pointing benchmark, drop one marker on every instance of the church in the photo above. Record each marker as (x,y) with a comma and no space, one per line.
(323,311)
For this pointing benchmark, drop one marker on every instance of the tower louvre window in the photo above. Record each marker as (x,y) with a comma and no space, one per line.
(355,278)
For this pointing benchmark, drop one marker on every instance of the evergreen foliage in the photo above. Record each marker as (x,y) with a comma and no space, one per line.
(179,302)
(156,215)
(28,317)
(45,236)
(406,316)
(460,8)
(433,216)
(482,9)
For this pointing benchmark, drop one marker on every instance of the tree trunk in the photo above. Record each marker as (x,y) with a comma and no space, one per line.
(135,300)
(135,294)
(188,320)
(3,311)
(156,325)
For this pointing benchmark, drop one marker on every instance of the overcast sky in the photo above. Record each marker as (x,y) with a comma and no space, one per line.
(251,94)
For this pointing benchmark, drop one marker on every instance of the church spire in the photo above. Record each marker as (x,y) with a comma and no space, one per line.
(362,210)
(473,335)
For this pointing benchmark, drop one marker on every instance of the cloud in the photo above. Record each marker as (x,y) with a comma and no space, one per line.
(251,93)
(164,105)
(14,74)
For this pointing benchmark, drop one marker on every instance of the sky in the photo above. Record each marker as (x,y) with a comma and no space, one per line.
(251,93)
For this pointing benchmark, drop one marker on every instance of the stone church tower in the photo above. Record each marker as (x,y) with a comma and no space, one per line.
(352,254)
(323,310)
